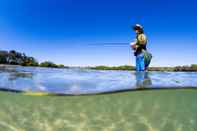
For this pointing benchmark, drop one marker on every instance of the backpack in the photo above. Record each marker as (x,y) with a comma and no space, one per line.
(147,57)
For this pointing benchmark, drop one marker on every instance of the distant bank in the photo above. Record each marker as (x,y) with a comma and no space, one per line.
(16,58)
(190,68)
(13,57)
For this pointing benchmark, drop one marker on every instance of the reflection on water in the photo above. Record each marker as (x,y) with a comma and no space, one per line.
(143,80)
(84,81)
(17,75)
(172,110)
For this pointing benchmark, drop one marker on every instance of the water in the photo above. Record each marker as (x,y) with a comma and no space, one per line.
(150,110)
(84,81)
(138,110)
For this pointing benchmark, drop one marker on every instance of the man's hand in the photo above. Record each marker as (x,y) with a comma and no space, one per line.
(133,45)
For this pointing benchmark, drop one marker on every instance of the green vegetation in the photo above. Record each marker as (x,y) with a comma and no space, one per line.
(16,58)
(193,67)
(62,66)
(124,67)
(51,65)
(48,64)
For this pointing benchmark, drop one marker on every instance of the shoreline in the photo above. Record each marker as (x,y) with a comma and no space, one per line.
(191,68)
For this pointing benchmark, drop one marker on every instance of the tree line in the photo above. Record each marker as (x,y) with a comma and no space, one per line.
(16,58)
(185,68)
(13,57)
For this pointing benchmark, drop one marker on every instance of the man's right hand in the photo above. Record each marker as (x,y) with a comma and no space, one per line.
(133,47)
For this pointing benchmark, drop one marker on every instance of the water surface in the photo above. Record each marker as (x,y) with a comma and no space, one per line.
(84,81)
(172,109)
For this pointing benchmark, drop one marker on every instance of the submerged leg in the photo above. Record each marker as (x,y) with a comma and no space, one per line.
(143,79)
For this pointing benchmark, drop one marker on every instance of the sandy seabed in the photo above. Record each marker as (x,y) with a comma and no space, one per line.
(150,110)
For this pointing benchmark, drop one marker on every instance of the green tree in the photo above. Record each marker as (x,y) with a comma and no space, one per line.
(61,66)
(48,64)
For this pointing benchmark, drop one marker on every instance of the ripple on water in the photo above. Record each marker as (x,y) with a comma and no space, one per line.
(84,81)
(129,111)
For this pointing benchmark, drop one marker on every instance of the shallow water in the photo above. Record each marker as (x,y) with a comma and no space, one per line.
(84,81)
(135,110)
(150,110)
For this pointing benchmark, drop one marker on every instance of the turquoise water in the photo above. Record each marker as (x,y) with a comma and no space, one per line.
(171,109)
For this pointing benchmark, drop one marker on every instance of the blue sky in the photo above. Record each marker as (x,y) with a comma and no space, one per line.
(97,32)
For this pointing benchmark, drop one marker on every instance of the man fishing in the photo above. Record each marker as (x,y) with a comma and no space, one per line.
(143,57)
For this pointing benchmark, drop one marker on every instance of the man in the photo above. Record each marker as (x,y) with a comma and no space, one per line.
(143,58)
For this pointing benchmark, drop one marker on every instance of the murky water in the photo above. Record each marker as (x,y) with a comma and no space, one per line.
(137,110)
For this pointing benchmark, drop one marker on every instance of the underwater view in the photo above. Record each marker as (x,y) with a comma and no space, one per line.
(48,99)
(98,65)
